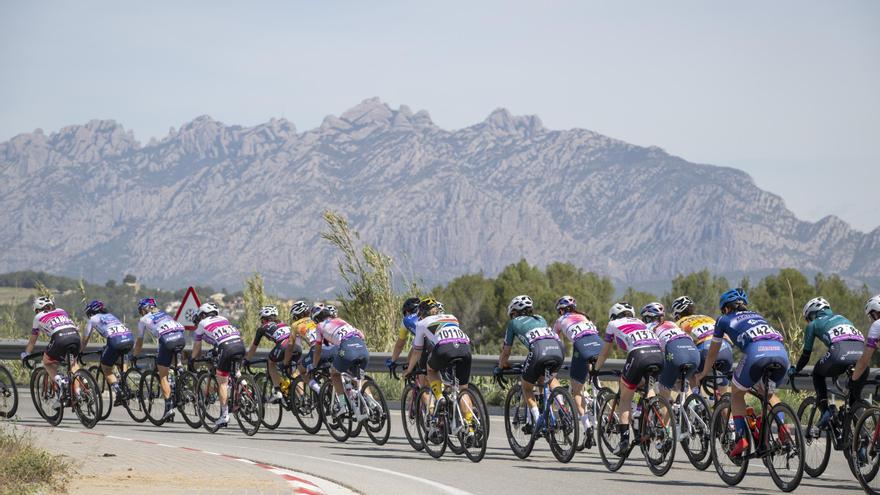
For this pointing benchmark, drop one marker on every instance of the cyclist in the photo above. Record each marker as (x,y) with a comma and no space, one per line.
(218,332)
(351,350)
(845,346)
(545,348)
(761,346)
(305,333)
(860,374)
(168,333)
(586,346)
(677,346)
(410,312)
(701,328)
(279,333)
(642,350)
(119,342)
(63,337)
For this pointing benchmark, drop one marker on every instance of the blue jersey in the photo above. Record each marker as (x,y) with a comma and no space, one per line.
(745,327)
(409,322)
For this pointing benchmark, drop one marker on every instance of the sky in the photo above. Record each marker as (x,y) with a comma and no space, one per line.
(788,91)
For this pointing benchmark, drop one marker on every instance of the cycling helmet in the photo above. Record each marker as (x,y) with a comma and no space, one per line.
(873,304)
(267,312)
(410,306)
(94,307)
(520,303)
(619,309)
(566,302)
(680,305)
(652,310)
(427,304)
(146,304)
(43,302)
(206,309)
(318,312)
(732,296)
(813,306)
(332,311)
(299,309)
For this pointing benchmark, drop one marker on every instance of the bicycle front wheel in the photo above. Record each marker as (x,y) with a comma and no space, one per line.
(817,443)
(105,390)
(475,434)
(409,402)
(659,435)
(517,424)
(698,435)
(562,424)
(731,470)
(86,399)
(8,394)
(340,426)
(272,412)
(44,393)
(785,458)
(865,450)
(304,404)
(151,399)
(431,423)
(378,423)
(609,435)
(249,410)
(209,401)
(186,399)
(133,404)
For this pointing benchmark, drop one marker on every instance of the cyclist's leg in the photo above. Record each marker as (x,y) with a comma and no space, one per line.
(821,371)
(436,361)
(423,380)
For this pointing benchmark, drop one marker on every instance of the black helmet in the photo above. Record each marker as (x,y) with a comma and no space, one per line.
(410,306)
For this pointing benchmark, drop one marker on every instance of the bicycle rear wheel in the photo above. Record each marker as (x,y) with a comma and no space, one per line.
(849,426)
(474,437)
(304,405)
(86,399)
(408,409)
(608,436)
(43,393)
(133,404)
(431,423)
(517,425)
(378,424)
(562,425)
(272,412)
(105,390)
(659,435)
(731,470)
(817,443)
(785,459)
(865,450)
(8,394)
(696,444)
(249,412)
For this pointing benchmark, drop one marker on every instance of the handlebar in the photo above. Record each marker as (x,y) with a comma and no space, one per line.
(30,357)
(249,363)
(82,361)
(793,382)
(416,372)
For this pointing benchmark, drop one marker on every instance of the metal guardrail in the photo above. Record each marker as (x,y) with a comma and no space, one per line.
(481,364)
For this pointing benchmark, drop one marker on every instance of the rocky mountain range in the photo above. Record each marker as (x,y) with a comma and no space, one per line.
(212,203)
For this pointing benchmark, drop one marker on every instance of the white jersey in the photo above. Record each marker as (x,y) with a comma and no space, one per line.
(667,332)
(630,333)
(216,330)
(106,325)
(52,322)
(439,329)
(158,324)
(335,330)
(874,335)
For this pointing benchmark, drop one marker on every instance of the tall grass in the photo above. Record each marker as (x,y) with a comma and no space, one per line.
(26,469)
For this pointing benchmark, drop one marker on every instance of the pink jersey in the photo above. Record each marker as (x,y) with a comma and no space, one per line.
(216,330)
(574,326)
(335,330)
(51,322)
(630,333)
(667,332)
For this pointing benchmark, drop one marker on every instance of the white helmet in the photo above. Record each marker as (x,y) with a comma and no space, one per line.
(41,302)
(680,305)
(814,305)
(520,303)
(618,309)
(208,308)
(872,305)
(299,308)
(268,312)
(332,311)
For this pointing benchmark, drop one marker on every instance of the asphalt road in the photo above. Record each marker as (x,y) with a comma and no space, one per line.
(395,468)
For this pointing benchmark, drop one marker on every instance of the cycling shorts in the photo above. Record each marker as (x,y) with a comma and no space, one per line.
(679,352)
(637,365)
(585,349)
(351,355)
(723,362)
(276,355)
(840,356)
(757,356)
(544,354)
(169,345)
(230,352)
(442,354)
(62,343)
(116,346)
(328,352)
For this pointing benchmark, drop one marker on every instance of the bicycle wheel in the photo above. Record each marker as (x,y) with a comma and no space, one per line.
(151,399)
(133,405)
(209,401)
(8,394)
(659,435)
(476,390)
(517,425)
(338,427)
(105,390)
(562,425)
(248,406)
(475,436)
(785,458)
(304,405)
(817,444)
(865,450)
(408,405)
(849,426)
(186,400)
(378,424)
(732,470)
(696,442)
(431,423)
(87,398)
(43,393)
(609,436)
(272,413)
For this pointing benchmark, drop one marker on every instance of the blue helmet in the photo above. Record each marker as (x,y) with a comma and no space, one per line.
(94,307)
(146,303)
(732,296)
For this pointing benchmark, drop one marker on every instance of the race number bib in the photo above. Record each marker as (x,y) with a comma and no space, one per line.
(580,329)
(538,334)
(451,333)
(844,332)
(639,338)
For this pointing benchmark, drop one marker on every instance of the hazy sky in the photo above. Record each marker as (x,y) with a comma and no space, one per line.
(788,91)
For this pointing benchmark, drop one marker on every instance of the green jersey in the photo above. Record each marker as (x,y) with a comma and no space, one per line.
(829,328)
(528,329)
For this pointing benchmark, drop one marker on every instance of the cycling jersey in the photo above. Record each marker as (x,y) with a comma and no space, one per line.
(52,322)
(630,334)
(277,332)
(744,328)
(873,336)
(159,325)
(667,332)
(574,326)
(305,331)
(336,330)
(108,326)
(699,327)
(409,326)
(216,330)
(528,329)
(439,329)
(830,328)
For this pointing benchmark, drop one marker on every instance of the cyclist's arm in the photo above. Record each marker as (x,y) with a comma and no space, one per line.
(196,350)
(288,351)
(32,341)
(398,346)
(603,355)
(504,358)
(864,362)
(316,358)
(711,356)
(809,337)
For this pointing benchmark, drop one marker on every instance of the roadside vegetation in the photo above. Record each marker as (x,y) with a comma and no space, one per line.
(26,469)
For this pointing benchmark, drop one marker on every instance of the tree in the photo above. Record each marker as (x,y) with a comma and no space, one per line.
(473,301)
(129,279)
(700,286)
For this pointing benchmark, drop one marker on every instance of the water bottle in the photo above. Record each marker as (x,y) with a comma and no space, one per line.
(636,415)
(313,384)
(60,380)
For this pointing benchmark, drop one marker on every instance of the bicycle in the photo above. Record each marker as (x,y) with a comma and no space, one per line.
(653,424)
(865,448)
(303,399)
(557,421)
(183,393)
(98,375)
(409,400)
(777,445)
(366,407)
(128,383)
(594,395)
(78,390)
(244,399)
(837,434)
(273,412)
(8,394)
(440,421)
(693,417)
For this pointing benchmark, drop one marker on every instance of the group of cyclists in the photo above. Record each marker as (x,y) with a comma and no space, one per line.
(689,346)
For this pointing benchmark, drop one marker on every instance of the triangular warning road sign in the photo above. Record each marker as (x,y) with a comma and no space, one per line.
(188,307)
